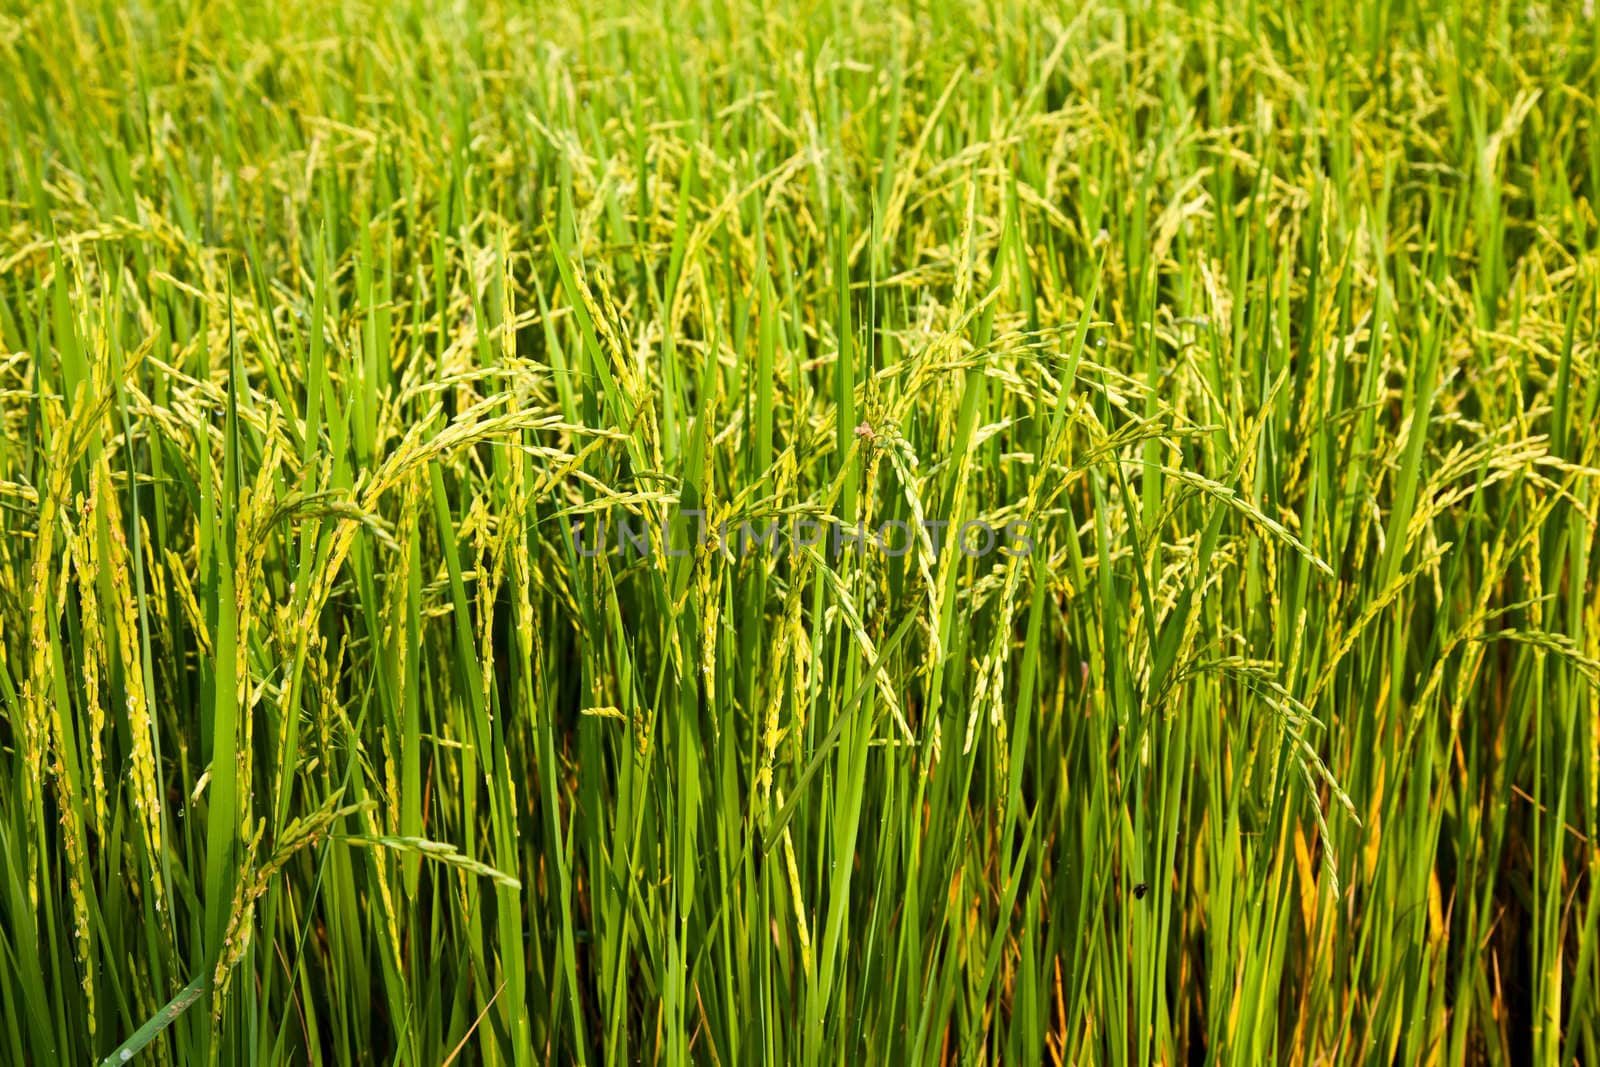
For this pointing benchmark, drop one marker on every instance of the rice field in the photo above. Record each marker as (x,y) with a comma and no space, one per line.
(807,533)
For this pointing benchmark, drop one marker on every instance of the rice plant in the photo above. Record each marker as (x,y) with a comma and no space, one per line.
(720,532)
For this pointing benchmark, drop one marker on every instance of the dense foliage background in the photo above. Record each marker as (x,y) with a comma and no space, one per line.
(324,325)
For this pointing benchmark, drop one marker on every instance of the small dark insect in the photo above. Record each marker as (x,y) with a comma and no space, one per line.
(1140,890)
